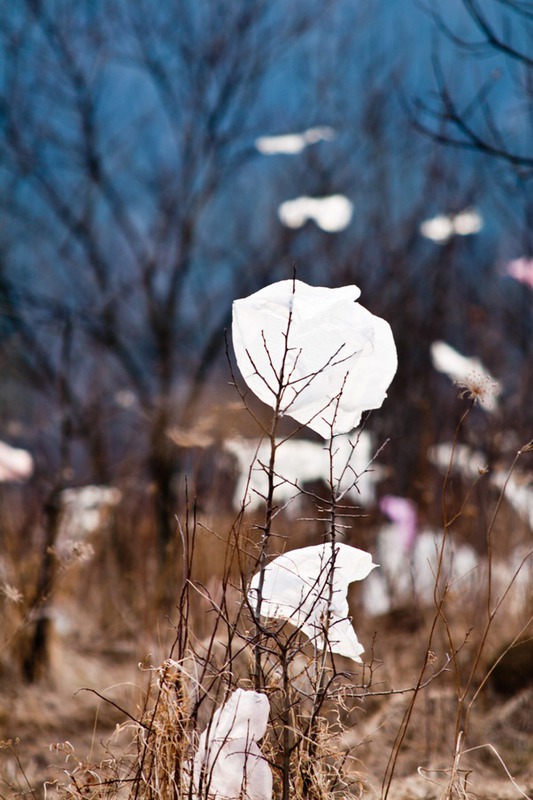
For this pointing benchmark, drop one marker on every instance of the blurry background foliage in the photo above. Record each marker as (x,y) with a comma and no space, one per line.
(135,206)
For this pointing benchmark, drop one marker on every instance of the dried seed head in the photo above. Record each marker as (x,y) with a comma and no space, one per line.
(480,389)
(11,593)
(74,552)
(527,448)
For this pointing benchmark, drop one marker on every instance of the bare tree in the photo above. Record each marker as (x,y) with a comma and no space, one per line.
(127,204)
(137,206)
(480,104)
(491,112)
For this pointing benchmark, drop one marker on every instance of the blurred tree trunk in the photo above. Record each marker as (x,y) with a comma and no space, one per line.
(162,468)
(36,659)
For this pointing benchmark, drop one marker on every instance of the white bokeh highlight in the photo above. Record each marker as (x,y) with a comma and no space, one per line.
(458,458)
(300,461)
(441,228)
(409,562)
(16,465)
(332,214)
(518,492)
(293,143)
(85,510)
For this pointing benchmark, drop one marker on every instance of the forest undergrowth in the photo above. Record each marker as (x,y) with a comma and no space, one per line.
(280,652)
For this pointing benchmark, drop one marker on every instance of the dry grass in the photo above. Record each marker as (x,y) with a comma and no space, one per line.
(135,730)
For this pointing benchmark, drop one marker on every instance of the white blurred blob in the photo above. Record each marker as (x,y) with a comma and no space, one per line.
(16,465)
(512,575)
(125,398)
(299,462)
(196,436)
(512,578)
(332,214)
(518,492)
(293,143)
(443,226)
(468,373)
(460,459)
(409,560)
(228,764)
(468,222)
(439,229)
(308,587)
(338,359)
(471,464)
(84,510)
(521,269)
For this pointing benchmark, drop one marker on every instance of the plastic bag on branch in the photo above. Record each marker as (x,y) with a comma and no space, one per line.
(326,357)
(301,586)
(229,764)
